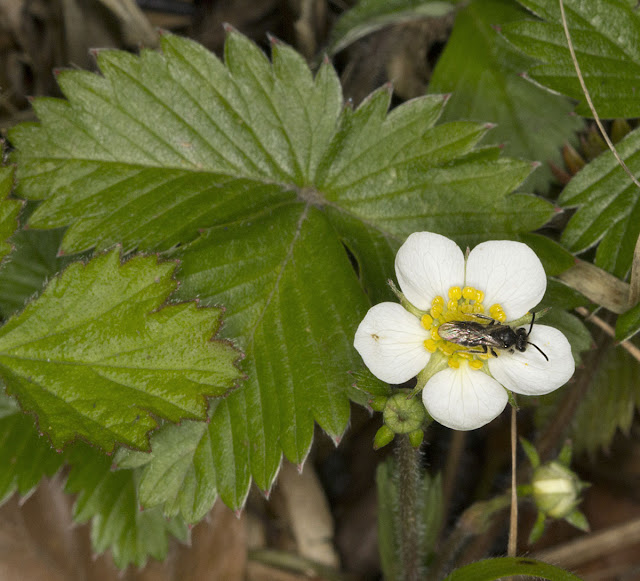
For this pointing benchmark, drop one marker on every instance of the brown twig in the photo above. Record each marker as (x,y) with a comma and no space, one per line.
(513,520)
(610,331)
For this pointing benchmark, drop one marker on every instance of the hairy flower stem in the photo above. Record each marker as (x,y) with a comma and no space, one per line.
(407,526)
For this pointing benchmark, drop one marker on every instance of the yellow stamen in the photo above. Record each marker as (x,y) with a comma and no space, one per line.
(452,305)
(479,296)
(455,292)
(468,292)
(434,334)
(497,312)
(476,364)
(454,363)
(437,306)
(430,345)
(427,321)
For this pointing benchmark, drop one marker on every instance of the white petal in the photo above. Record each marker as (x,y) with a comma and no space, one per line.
(509,273)
(529,373)
(427,265)
(463,398)
(390,341)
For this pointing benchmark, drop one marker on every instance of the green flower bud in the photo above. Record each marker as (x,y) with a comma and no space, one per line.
(556,489)
(404,415)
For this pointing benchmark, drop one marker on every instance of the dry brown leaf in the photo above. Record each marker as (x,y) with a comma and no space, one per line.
(308,514)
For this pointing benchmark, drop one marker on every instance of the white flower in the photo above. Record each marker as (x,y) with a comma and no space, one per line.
(466,388)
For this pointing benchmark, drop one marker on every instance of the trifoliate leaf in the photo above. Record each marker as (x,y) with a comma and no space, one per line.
(9,210)
(279,177)
(604,34)
(532,123)
(94,356)
(25,456)
(118,524)
(178,473)
(608,205)
(367,16)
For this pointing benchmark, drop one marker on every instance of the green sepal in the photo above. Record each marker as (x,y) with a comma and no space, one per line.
(383,436)
(531,452)
(538,528)
(564,457)
(416,438)
(578,520)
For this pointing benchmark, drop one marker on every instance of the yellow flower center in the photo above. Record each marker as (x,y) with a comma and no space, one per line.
(461,304)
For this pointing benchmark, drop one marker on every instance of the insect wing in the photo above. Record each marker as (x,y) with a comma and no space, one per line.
(468,334)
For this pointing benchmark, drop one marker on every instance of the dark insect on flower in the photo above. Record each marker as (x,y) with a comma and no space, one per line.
(488,336)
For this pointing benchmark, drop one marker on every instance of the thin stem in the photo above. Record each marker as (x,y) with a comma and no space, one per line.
(513,524)
(408,467)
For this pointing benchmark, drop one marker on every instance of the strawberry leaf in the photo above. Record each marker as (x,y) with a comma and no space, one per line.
(95,356)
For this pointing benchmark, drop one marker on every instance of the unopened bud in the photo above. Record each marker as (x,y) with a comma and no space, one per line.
(556,489)
(404,415)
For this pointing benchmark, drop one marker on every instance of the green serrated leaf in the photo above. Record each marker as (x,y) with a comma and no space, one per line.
(90,359)
(178,473)
(498,568)
(628,324)
(9,210)
(118,524)
(531,122)
(25,456)
(605,38)
(368,16)
(608,207)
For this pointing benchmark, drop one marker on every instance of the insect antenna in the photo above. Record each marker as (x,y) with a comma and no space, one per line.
(533,318)
(538,348)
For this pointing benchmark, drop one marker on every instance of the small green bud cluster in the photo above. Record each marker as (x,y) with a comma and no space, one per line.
(402,414)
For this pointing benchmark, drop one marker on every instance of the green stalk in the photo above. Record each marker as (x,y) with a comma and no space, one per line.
(409,510)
